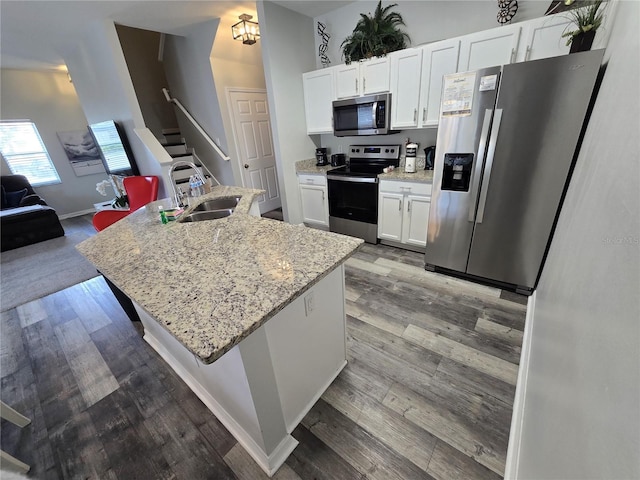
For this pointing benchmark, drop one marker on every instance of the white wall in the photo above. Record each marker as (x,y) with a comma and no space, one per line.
(581,415)
(287,52)
(100,75)
(234,65)
(187,61)
(50,101)
(426,21)
(140,49)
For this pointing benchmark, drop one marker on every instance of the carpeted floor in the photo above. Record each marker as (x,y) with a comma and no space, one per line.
(38,270)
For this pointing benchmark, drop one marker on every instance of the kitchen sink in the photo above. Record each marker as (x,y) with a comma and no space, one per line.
(206,215)
(222,203)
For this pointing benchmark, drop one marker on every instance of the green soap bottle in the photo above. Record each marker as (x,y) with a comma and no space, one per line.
(163,215)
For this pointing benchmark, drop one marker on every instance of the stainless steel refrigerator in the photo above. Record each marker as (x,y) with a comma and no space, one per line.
(506,144)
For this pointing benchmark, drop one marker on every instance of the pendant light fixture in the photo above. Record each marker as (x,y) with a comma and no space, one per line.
(246,30)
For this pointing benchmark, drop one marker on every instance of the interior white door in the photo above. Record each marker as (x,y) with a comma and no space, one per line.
(252,131)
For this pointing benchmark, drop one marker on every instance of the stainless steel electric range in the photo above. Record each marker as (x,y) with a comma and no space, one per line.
(353,190)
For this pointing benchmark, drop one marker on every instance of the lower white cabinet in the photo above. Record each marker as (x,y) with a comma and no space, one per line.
(403,212)
(315,202)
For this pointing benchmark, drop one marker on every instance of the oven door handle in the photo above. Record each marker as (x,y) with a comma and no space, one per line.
(354,179)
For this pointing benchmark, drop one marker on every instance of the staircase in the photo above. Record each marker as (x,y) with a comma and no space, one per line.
(176,147)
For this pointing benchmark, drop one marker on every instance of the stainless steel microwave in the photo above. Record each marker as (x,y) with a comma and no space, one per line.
(369,115)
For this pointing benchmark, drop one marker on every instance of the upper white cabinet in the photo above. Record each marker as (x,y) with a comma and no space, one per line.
(374,74)
(362,78)
(347,80)
(416,83)
(542,38)
(489,48)
(438,59)
(319,92)
(405,87)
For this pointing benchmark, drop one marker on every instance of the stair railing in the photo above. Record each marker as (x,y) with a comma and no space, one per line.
(195,124)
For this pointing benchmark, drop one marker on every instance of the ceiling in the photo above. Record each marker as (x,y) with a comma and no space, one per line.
(33,34)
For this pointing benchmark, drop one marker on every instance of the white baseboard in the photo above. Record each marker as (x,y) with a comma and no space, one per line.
(268,463)
(517,417)
(76,214)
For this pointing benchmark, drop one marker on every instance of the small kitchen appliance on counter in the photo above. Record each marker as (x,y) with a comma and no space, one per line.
(410,158)
(321,157)
(429,156)
(338,159)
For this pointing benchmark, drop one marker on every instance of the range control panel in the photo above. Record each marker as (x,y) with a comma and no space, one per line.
(378,152)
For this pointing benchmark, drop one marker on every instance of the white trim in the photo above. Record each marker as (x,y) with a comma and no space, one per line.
(76,214)
(517,417)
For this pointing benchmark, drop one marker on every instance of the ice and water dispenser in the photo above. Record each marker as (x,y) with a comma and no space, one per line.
(456,172)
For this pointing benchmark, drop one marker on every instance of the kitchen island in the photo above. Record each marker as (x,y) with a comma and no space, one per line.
(248,311)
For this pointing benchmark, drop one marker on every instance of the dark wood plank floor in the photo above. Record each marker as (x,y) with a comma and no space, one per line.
(427,392)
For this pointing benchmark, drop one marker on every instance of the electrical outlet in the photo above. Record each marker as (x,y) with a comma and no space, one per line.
(309,304)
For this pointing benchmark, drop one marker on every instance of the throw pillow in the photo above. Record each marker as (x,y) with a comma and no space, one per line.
(14,198)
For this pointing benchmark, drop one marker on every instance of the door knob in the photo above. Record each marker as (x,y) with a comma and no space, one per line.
(246,165)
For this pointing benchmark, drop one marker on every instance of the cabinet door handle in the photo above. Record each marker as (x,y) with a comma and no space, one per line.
(415,115)
(513,55)
(400,206)
(323,195)
(528,53)
(356,85)
(364,85)
(408,206)
(424,114)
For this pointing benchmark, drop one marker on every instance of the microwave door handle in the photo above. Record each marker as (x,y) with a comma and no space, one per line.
(374,115)
(477,170)
(487,169)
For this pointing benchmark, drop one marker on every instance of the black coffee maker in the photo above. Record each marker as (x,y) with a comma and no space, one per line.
(321,157)
(429,157)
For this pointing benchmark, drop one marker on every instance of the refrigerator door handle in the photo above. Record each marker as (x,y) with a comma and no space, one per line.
(487,169)
(486,123)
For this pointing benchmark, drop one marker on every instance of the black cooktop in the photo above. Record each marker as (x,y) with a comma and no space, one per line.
(368,160)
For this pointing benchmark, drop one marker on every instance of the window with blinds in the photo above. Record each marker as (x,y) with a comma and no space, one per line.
(108,140)
(25,154)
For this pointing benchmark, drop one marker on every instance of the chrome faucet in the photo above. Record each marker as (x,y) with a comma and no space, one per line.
(177,193)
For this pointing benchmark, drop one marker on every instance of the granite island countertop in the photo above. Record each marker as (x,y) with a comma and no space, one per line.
(211,283)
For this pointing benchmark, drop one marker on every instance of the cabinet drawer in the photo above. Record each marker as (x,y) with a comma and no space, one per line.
(312,180)
(395,186)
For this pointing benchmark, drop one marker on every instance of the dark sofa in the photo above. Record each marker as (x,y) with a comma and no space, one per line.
(25,218)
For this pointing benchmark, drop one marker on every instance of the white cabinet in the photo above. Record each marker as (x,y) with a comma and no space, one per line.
(347,78)
(403,212)
(497,46)
(406,66)
(319,92)
(438,59)
(314,198)
(362,78)
(416,83)
(374,74)
(542,38)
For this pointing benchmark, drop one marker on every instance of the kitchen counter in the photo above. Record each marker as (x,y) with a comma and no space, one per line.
(309,167)
(211,283)
(421,176)
(248,311)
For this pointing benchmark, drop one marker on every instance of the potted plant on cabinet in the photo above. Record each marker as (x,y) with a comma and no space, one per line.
(587,19)
(375,36)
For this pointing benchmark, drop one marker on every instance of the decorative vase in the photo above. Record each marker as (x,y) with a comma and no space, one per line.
(582,42)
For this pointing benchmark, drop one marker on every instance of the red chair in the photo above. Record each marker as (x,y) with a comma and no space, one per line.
(140,191)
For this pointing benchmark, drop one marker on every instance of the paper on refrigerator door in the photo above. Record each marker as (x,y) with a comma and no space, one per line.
(457,94)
